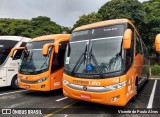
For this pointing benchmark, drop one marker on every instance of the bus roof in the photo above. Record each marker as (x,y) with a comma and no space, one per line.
(104,23)
(16,38)
(49,37)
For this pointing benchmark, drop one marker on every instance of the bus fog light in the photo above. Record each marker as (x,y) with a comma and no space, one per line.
(42,86)
(114,98)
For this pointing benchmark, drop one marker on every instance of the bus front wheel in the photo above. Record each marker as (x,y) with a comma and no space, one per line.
(14,83)
(136,92)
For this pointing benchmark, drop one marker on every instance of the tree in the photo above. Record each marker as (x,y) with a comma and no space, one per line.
(87,19)
(130,9)
(44,26)
(38,26)
(152,27)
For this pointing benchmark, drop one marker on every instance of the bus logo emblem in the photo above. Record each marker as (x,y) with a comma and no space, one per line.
(84,88)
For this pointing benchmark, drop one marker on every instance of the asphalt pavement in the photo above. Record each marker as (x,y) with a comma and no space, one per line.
(53,103)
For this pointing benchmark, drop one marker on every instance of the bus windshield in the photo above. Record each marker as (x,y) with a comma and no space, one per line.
(96,51)
(32,60)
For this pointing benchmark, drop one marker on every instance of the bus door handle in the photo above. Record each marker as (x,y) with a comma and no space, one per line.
(10,69)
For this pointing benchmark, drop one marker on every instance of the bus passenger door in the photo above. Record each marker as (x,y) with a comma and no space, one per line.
(57,67)
(11,70)
(3,76)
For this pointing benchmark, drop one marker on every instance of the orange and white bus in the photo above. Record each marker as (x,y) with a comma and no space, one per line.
(41,66)
(105,62)
(157,43)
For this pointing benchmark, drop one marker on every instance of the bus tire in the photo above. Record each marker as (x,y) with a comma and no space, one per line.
(14,83)
(147,78)
(136,91)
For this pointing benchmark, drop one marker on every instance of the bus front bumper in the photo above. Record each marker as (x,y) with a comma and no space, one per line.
(44,86)
(114,97)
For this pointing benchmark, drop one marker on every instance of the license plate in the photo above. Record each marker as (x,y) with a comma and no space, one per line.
(26,87)
(85,96)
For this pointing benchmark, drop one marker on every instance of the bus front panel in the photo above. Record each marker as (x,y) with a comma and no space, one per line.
(39,82)
(34,67)
(97,68)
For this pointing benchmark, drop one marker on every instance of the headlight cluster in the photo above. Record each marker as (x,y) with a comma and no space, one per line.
(42,79)
(65,81)
(116,86)
(101,89)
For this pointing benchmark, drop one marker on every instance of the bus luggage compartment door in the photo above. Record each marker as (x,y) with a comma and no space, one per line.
(3,76)
(11,72)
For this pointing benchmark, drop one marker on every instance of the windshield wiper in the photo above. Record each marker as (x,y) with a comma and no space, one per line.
(113,61)
(99,68)
(80,61)
(83,58)
(24,62)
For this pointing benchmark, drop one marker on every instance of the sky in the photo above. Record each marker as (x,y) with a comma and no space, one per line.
(63,12)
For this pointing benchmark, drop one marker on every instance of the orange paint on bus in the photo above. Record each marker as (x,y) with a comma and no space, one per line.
(110,90)
(52,78)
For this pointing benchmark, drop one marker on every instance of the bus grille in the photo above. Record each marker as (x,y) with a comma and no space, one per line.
(28,82)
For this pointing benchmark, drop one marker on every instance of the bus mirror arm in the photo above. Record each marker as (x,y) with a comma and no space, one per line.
(127,38)
(14,49)
(58,43)
(157,43)
(45,48)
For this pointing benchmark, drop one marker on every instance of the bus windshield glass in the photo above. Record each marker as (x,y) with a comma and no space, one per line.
(32,61)
(96,51)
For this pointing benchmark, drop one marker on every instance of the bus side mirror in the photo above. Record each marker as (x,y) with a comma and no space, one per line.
(127,38)
(14,49)
(157,43)
(57,44)
(46,47)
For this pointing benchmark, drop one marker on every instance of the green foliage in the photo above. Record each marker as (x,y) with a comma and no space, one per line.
(87,19)
(155,70)
(29,28)
(44,26)
(130,9)
(152,27)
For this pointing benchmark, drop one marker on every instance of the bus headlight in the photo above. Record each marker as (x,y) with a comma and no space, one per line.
(116,86)
(42,79)
(65,81)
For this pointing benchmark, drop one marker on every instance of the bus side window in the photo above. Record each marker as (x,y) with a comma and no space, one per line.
(5,50)
(138,46)
(130,54)
(58,59)
(19,52)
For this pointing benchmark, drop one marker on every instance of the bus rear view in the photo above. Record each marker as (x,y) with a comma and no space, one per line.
(102,64)
(41,66)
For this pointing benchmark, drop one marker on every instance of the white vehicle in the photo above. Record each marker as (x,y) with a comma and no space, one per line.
(9,66)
